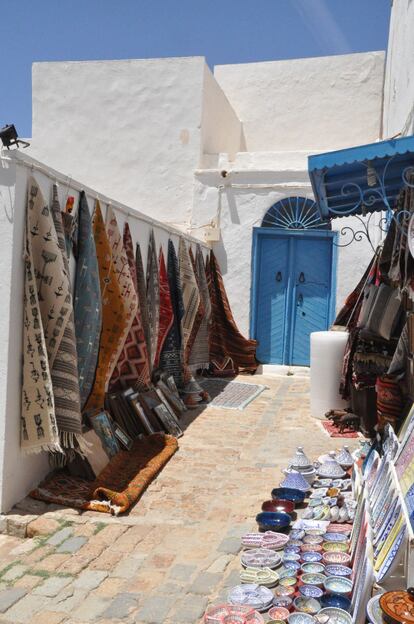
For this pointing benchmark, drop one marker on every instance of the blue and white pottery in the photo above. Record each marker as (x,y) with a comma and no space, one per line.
(344,458)
(322,483)
(299,460)
(313,539)
(291,549)
(294,480)
(310,591)
(307,605)
(251,594)
(335,537)
(260,558)
(336,600)
(330,468)
(290,556)
(292,565)
(297,534)
(273,520)
(313,567)
(286,572)
(374,611)
(301,618)
(336,616)
(313,579)
(391,555)
(336,569)
(295,542)
(282,601)
(338,585)
(311,556)
(288,493)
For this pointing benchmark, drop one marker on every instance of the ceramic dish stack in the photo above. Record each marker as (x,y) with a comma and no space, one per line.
(232,614)
(252,595)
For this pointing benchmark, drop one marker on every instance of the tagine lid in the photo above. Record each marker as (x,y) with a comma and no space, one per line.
(331,468)
(344,457)
(398,606)
(299,460)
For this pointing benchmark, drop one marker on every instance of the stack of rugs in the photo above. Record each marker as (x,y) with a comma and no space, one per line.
(110,349)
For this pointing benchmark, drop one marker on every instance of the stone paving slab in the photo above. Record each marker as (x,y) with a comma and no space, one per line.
(178,550)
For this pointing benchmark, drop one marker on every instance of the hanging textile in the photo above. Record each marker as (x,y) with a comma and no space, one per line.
(39,430)
(142,296)
(114,320)
(191,295)
(132,368)
(126,286)
(166,310)
(87,302)
(199,354)
(390,403)
(348,314)
(171,355)
(153,297)
(230,352)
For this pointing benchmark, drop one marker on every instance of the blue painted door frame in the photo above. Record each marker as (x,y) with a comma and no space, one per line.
(279,321)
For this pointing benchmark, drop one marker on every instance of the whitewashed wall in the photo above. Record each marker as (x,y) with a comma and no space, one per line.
(399,76)
(320,103)
(20,473)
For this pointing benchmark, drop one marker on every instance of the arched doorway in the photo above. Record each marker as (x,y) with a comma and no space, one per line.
(293,281)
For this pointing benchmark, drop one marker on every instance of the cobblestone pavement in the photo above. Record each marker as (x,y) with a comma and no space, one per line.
(177,551)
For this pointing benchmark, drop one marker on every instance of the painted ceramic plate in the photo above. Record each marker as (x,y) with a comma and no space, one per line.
(336,616)
(338,585)
(269,539)
(278,613)
(261,576)
(335,547)
(252,595)
(288,581)
(290,556)
(296,534)
(241,614)
(310,591)
(292,566)
(336,557)
(313,539)
(374,612)
(281,590)
(261,558)
(291,549)
(301,618)
(311,548)
(295,542)
(282,601)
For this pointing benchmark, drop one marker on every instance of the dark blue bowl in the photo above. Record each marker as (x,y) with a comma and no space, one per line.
(290,494)
(273,521)
(335,600)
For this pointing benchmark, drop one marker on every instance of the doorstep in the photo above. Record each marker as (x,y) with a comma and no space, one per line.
(281,370)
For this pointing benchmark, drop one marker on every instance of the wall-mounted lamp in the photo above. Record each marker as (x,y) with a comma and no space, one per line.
(9,137)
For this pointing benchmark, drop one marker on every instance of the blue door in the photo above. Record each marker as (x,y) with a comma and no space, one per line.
(293,292)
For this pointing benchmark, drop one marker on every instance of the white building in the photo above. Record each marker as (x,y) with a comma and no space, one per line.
(210,153)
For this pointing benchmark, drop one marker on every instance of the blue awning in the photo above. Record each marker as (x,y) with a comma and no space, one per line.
(361,179)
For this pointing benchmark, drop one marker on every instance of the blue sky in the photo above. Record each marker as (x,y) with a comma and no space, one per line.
(224,31)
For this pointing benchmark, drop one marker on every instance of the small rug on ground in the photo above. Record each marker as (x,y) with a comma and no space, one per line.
(334,431)
(231,394)
(120,484)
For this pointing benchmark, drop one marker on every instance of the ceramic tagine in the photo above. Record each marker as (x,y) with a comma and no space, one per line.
(302,464)
(398,606)
(330,468)
(344,458)
(295,480)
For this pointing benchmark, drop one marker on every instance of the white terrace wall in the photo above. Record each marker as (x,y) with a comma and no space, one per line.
(399,76)
(310,104)
(19,473)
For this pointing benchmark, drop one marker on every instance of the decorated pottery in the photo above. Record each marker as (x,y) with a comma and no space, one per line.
(294,542)
(299,460)
(334,537)
(291,548)
(307,605)
(374,612)
(226,613)
(333,492)
(330,468)
(294,480)
(315,531)
(313,568)
(310,591)
(282,590)
(336,569)
(261,558)
(282,601)
(288,581)
(278,613)
(297,534)
(270,539)
(398,606)
(311,548)
(293,566)
(338,585)
(336,600)
(335,616)
(301,618)
(313,539)
(276,521)
(311,556)
(260,576)
(319,492)
(279,505)
(309,474)
(251,594)
(336,557)
(313,579)
(289,493)
(344,458)
(290,556)
(322,483)
(335,547)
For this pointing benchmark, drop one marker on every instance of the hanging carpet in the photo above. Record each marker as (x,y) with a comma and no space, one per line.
(142,298)
(190,293)
(199,353)
(153,298)
(120,484)
(230,352)
(132,368)
(171,354)
(87,302)
(114,320)
(166,315)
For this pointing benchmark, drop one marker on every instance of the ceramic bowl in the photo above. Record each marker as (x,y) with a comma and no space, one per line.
(293,566)
(335,547)
(338,585)
(287,571)
(227,613)
(311,548)
(291,548)
(311,556)
(314,579)
(275,621)
(336,600)
(336,557)
(278,613)
(315,531)
(333,492)
(283,601)
(297,534)
(313,539)
(313,568)
(335,537)
(310,591)
(276,521)
(288,581)
(290,556)
(374,611)
(294,542)
(336,616)
(282,590)
(301,618)
(307,605)
(290,494)
(279,505)
(336,569)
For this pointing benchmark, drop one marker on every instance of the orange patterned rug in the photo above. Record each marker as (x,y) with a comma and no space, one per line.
(120,484)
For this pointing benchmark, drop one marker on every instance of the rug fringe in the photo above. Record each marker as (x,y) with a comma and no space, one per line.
(48,448)
(113,509)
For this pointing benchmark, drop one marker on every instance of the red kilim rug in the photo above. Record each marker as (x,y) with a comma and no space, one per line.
(334,432)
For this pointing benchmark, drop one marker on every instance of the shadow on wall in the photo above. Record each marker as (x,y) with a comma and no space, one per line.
(221,255)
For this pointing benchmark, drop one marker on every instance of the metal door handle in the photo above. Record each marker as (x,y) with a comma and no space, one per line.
(278,276)
(300,300)
(302,278)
